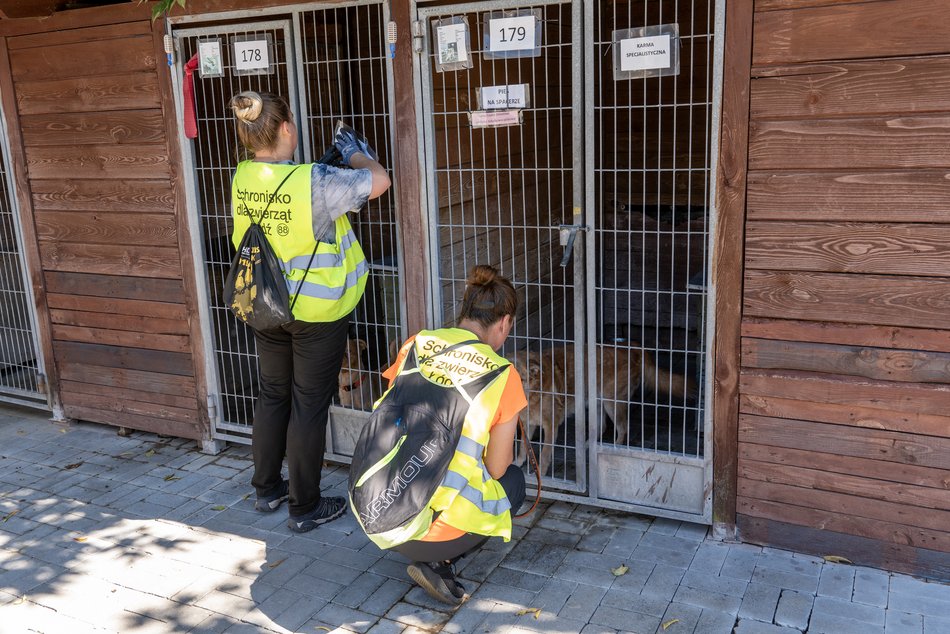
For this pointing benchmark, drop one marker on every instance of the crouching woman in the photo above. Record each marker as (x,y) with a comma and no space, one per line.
(432,475)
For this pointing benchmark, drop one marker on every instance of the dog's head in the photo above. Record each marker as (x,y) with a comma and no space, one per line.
(528,365)
(352,368)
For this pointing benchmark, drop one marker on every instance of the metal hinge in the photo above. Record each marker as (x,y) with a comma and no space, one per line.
(418,36)
(42,387)
(212,409)
(566,236)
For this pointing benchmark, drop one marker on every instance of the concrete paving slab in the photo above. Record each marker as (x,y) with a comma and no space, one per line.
(149,535)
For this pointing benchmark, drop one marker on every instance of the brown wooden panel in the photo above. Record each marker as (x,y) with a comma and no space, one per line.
(887,28)
(914,423)
(176,400)
(107,228)
(66,20)
(864,299)
(115,403)
(113,56)
(774,5)
(109,321)
(162,262)
(847,334)
(910,196)
(127,161)
(872,142)
(853,506)
(88,94)
(913,366)
(897,249)
(837,520)
(882,445)
(851,89)
(93,128)
(95,304)
(815,391)
(129,358)
(164,426)
(729,244)
(123,338)
(133,196)
(871,488)
(75,36)
(859,467)
(861,550)
(116,287)
(125,379)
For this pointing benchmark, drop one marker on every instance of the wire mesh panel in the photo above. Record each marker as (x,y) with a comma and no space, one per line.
(216,152)
(19,363)
(331,65)
(649,193)
(502,181)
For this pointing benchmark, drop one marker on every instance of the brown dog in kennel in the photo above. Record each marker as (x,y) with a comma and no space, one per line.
(622,370)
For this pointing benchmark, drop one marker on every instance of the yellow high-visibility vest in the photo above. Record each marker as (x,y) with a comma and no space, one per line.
(468,498)
(337,277)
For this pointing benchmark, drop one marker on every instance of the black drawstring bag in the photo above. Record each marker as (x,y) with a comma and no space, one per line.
(256,289)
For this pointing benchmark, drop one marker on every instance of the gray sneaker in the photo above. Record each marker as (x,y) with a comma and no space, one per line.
(327,510)
(438,580)
(270,503)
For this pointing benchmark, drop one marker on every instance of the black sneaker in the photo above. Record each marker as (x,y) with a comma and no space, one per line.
(327,510)
(270,503)
(438,580)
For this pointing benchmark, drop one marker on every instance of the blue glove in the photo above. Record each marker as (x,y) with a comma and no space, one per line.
(349,143)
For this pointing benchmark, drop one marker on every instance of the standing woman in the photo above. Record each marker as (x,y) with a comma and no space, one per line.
(302,209)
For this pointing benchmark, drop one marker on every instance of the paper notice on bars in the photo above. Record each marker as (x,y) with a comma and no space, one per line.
(495,118)
(451,44)
(501,97)
(641,53)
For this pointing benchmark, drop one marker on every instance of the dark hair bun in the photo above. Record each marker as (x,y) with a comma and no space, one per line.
(482,275)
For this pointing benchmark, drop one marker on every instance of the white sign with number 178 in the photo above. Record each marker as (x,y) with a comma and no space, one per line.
(251,55)
(512,34)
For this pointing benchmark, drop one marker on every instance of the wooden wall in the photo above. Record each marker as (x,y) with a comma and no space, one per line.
(95,154)
(844,410)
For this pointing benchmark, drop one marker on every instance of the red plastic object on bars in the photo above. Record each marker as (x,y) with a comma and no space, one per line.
(188,93)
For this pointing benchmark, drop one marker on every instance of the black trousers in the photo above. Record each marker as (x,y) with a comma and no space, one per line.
(299,367)
(454,549)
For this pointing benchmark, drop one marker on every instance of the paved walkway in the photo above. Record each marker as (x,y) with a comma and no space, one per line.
(100,533)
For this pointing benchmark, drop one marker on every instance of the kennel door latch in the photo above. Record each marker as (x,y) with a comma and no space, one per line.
(566,236)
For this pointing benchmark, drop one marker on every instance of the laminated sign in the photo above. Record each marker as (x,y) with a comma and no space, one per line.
(650,51)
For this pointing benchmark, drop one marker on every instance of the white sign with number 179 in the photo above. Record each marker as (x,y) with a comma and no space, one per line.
(251,55)
(512,34)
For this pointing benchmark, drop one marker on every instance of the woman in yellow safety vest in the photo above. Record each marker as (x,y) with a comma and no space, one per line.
(302,210)
(470,505)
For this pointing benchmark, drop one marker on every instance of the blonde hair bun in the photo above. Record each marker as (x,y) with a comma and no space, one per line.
(247,106)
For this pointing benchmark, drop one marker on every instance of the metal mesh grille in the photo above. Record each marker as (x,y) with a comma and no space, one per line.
(18,358)
(342,57)
(651,183)
(501,195)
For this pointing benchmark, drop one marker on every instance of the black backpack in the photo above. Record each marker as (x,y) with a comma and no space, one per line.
(404,450)
(256,289)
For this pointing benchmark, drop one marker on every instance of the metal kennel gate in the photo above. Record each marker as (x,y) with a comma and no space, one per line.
(591,191)
(330,63)
(22,377)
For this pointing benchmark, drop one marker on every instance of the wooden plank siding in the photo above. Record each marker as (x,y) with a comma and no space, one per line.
(844,387)
(96,124)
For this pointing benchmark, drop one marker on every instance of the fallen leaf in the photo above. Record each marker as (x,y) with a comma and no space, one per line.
(21,432)
(670,622)
(246,496)
(277,563)
(535,611)
(72,466)
(149,453)
(170,477)
(620,570)
(80,539)
(20,600)
(321,627)
(835,559)
(10,514)
(62,430)
(218,508)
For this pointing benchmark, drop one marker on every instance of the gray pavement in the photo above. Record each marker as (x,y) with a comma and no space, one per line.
(100,533)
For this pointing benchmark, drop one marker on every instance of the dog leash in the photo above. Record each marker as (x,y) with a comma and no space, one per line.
(534,465)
